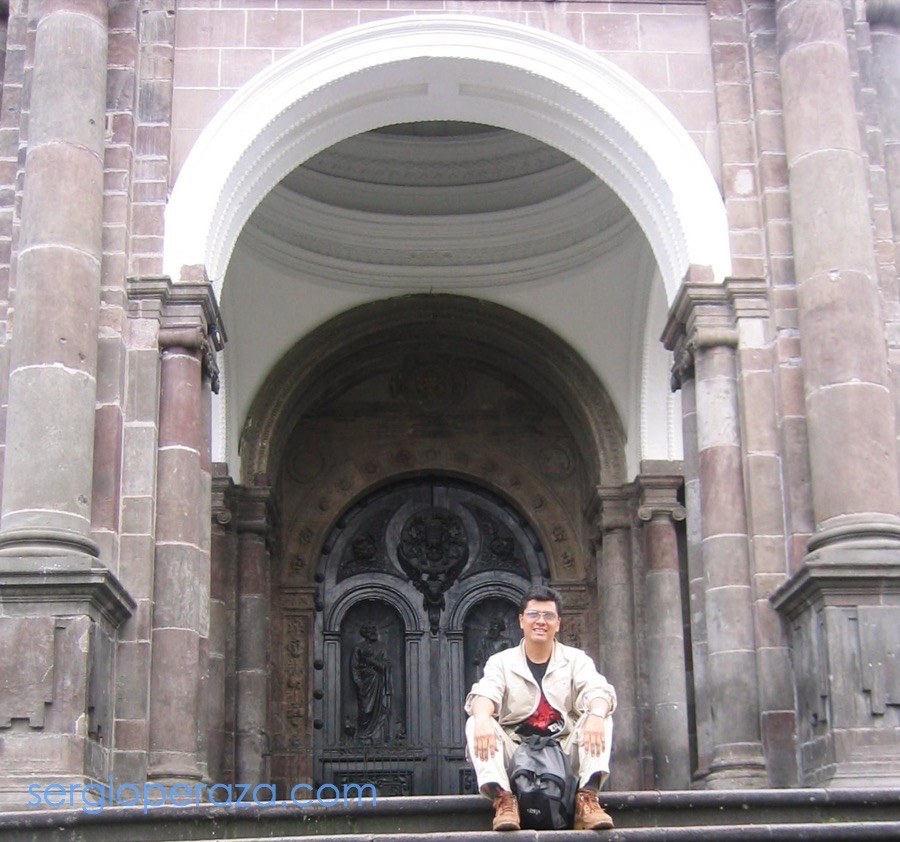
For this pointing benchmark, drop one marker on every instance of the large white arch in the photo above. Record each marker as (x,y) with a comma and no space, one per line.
(447,67)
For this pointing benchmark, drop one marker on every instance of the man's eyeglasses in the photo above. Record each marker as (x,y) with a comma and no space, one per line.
(546,616)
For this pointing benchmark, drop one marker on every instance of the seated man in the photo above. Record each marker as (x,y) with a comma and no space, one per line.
(541,687)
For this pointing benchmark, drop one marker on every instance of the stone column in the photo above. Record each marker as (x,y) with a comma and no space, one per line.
(702,312)
(59,608)
(838,602)
(856,494)
(255,524)
(181,585)
(659,509)
(48,470)
(615,507)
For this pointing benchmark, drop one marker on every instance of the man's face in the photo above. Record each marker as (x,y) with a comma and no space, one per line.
(540,621)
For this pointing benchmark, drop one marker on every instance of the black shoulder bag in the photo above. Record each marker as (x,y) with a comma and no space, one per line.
(542,781)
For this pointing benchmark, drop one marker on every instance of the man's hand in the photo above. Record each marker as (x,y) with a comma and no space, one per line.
(485,738)
(593,737)
(485,735)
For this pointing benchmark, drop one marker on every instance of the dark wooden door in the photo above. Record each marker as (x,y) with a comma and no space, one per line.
(420,583)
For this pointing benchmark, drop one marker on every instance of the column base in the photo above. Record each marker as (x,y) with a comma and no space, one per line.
(169,773)
(56,719)
(743,768)
(46,542)
(857,532)
(843,607)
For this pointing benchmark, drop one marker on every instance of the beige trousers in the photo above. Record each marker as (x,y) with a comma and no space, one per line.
(495,770)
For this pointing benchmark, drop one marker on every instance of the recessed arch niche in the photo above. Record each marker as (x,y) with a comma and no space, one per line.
(430,391)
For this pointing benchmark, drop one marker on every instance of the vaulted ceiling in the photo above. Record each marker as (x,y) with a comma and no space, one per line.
(454,201)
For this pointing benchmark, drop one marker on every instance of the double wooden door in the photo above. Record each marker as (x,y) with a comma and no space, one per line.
(420,584)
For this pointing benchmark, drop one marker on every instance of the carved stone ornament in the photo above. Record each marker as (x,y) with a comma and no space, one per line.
(499,548)
(366,553)
(433,550)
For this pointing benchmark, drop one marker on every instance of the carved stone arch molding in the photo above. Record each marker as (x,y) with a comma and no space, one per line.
(346,348)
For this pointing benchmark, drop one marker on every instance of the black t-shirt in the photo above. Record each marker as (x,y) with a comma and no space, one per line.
(546,719)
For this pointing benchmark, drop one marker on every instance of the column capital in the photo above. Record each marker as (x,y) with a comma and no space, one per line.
(702,315)
(612,508)
(187,313)
(682,364)
(223,503)
(256,511)
(658,494)
(177,305)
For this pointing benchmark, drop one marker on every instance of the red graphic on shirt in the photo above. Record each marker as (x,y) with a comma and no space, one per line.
(545,716)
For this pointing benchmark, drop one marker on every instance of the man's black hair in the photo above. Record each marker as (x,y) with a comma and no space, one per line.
(541,593)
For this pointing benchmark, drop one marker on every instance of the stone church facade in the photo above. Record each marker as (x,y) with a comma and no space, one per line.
(330,327)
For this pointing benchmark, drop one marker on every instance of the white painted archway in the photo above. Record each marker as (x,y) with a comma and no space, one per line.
(451,67)
(447,67)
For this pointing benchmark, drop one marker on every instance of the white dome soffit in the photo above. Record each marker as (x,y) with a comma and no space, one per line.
(447,67)
(500,247)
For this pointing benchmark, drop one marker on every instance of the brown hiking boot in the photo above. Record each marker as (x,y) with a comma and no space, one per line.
(589,815)
(506,811)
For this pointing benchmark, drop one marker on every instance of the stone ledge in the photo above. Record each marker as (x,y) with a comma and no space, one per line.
(94,592)
(839,577)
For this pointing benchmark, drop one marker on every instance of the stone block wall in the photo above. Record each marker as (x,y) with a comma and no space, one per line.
(664,46)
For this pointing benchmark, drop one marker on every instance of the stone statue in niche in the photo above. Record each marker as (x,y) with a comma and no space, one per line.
(370,669)
(495,640)
(491,626)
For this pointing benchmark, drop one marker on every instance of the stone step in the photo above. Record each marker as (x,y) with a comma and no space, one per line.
(851,832)
(810,814)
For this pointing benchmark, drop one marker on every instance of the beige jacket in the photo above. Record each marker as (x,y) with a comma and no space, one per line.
(570,684)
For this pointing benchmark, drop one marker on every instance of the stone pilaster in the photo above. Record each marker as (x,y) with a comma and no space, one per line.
(256,520)
(189,334)
(884,20)
(614,507)
(658,510)
(181,577)
(763,472)
(221,691)
(843,602)
(48,470)
(683,379)
(702,313)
